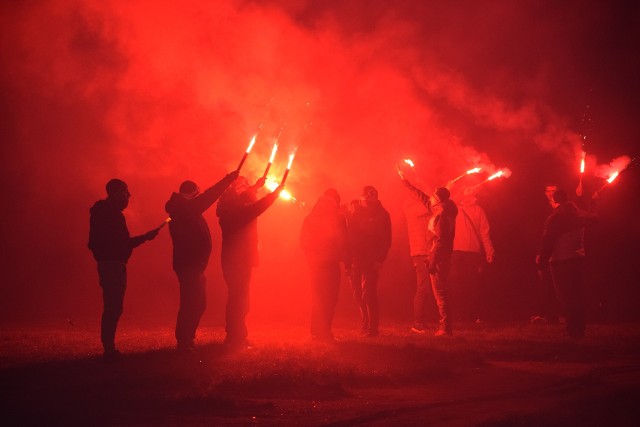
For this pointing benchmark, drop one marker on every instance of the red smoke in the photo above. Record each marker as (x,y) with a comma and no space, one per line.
(159,92)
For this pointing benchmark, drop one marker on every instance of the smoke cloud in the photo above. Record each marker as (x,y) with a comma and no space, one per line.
(159,92)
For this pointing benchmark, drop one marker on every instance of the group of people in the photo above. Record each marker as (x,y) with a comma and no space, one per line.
(446,238)
(238,209)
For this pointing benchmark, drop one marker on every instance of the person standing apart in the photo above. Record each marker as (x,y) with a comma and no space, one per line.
(112,245)
(369,227)
(191,250)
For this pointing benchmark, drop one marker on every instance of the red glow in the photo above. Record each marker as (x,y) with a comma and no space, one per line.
(272,184)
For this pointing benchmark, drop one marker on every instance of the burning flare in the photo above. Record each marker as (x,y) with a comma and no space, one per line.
(495,175)
(469,172)
(244,157)
(286,172)
(409,162)
(613,176)
(273,156)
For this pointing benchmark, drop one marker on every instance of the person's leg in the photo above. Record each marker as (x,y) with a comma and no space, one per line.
(356,286)
(568,280)
(441,294)
(113,280)
(423,289)
(193,301)
(238,280)
(370,297)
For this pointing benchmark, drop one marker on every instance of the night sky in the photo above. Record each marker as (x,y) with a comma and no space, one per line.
(155,93)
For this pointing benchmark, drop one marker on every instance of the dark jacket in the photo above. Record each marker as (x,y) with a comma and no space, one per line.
(237,214)
(443,226)
(188,228)
(369,231)
(324,237)
(563,235)
(109,238)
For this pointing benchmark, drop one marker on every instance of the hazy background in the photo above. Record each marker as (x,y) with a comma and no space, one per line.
(158,92)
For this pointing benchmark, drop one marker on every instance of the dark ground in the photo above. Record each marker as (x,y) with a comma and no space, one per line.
(486,375)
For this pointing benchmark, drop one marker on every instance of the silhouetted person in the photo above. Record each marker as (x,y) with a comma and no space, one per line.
(472,247)
(562,250)
(369,227)
(324,241)
(547,306)
(191,250)
(443,226)
(111,244)
(420,241)
(238,211)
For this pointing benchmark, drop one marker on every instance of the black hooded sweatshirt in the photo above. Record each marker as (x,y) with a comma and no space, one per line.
(188,228)
(109,238)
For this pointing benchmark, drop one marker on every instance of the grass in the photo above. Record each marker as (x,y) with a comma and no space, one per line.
(55,375)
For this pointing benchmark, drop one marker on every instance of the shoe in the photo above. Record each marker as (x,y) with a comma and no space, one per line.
(418,330)
(232,344)
(186,347)
(111,355)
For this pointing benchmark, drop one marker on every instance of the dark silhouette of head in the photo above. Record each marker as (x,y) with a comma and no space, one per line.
(560,196)
(441,195)
(189,188)
(333,194)
(118,193)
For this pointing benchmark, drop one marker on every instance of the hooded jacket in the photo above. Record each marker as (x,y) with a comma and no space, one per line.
(324,237)
(369,231)
(472,229)
(237,215)
(189,230)
(109,238)
(563,236)
(443,226)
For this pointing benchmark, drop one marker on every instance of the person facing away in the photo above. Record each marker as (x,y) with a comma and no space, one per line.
(191,250)
(562,250)
(369,228)
(420,240)
(112,245)
(238,210)
(325,242)
(472,247)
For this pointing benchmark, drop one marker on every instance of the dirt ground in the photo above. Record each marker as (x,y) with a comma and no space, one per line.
(486,375)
